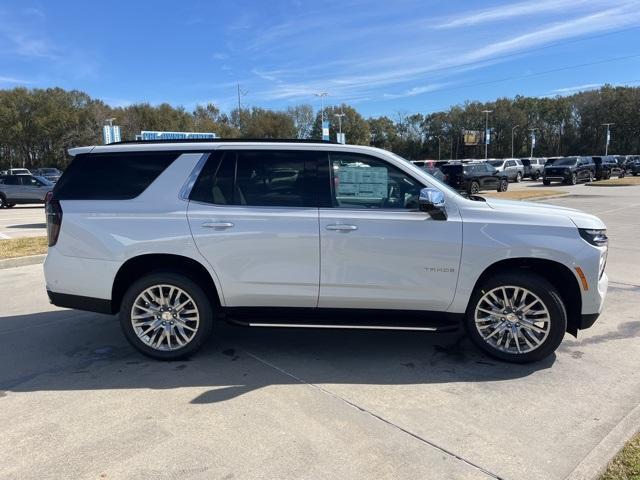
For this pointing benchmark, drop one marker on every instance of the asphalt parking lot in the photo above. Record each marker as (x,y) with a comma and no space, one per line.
(77,402)
(22,221)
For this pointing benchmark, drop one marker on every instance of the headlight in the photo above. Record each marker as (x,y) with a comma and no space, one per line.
(597,238)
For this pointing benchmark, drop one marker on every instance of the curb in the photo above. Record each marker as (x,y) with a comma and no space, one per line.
(597,460)
(548,197)
(21,261)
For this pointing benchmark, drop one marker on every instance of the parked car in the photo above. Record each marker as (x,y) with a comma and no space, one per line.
(533,167)
(608,166)
(570,170)
(51,174)
(551,161)
(17,171)
(473,177)
(513,167)
(175,235)
(633,164)
(18,189)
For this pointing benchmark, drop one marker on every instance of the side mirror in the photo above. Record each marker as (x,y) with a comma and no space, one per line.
(432,202)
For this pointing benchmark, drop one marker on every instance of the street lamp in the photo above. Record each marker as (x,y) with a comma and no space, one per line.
(486,131)
(321,95)
(606,147)
(340,115)
(512,130)
(533,140)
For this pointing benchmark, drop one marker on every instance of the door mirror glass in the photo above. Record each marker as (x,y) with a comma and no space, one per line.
(432,202)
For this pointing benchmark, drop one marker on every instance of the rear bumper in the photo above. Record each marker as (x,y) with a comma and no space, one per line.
(98,305)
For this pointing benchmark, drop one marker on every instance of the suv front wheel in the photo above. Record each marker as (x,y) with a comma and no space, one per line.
(165,315)
(517,318)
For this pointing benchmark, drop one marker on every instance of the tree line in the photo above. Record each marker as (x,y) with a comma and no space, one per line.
(37,126)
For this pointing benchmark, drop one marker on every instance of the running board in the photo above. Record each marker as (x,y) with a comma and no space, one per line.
(350,327)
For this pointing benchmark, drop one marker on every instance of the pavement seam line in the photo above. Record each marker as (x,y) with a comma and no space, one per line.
(376,416)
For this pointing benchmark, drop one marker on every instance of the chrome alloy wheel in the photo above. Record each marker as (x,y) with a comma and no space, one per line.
(165,317)
(512,319)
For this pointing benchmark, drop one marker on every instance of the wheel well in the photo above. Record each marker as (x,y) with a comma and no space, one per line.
(555,273)
(136,267)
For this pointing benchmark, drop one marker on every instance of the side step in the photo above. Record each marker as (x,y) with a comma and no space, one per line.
(345,319)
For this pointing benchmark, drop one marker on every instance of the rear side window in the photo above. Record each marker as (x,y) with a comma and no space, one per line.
(261,178)
(111,176)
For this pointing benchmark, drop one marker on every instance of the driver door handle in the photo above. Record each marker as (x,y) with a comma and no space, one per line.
(340,227)
(217,225)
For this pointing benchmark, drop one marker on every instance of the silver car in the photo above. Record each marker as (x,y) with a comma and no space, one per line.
(16,189)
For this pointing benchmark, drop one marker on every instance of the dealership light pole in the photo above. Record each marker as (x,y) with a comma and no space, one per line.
(512,130)
(606,147)
(340,117)
(486,132)
(321,95)
(533,140)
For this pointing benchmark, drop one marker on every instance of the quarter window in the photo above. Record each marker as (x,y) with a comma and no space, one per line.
(362,182)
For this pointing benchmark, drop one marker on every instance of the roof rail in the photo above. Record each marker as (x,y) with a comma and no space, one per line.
(224,140)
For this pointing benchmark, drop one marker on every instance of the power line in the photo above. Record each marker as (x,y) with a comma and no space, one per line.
(544,72)
(530,50)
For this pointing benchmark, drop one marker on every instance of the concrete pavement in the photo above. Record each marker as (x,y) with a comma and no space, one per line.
(77,402)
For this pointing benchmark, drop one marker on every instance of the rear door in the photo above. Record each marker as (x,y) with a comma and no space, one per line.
(377,249)
(490,178)
(253,214)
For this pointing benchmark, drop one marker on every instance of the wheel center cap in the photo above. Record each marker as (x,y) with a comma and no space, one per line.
(167,316)
(512,317)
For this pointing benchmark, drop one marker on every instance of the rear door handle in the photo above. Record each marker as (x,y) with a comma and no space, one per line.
(217,225)
(340,227)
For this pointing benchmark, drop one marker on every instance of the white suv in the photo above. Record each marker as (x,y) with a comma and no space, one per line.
(309,234)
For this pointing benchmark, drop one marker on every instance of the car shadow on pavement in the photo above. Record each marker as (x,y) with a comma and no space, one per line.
(67,350)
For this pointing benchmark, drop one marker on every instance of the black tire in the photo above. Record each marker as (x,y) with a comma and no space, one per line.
(573,180)
(518,177)
(535,176)
(590,178)
(546,182)
(10,205)
(503,186)
(202,303)
(545,291)
(3,201)
(622,174)
(474,188)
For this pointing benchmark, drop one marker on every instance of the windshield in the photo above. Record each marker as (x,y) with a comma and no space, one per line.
(436,183)
(44,181)
(565,162)
(20,171)
(496,163)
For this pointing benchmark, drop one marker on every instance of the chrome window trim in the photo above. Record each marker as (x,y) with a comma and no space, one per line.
(185,191)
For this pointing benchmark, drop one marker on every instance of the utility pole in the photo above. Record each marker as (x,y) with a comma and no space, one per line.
(321,95)
(240,107)
(340,116)
(533,140)
(439,137)
(606,147)
(486,132)
(512,130)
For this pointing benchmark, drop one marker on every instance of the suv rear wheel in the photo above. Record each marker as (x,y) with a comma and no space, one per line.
(165,315)
(503,186)
(517,318)
(474,187)
(518,177)
(573,179)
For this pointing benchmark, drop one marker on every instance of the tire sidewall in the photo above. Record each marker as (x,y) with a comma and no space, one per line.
(168,278)
(545,291)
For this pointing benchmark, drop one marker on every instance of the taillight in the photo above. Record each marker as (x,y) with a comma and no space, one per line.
(54,218)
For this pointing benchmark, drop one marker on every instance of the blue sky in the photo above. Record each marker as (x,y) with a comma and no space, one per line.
(382,57)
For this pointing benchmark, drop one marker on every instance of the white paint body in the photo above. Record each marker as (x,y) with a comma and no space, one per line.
(286,257)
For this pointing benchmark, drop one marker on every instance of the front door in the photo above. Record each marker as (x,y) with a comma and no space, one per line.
(377,249)
(254,217)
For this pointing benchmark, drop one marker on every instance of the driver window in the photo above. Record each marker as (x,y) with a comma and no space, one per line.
(363,182)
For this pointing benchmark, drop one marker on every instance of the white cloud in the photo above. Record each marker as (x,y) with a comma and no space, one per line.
(522,9)
(14,80)
(577,88)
